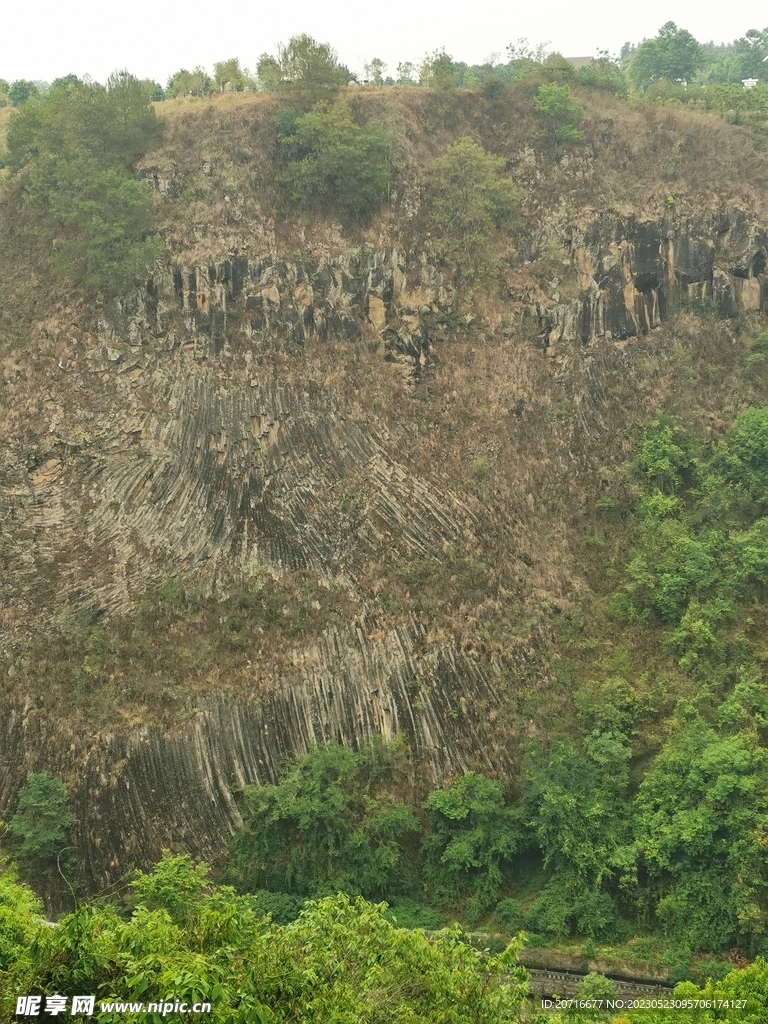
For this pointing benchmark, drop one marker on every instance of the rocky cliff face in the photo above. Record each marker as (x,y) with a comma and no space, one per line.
(145,788)
(206,427)
(627,274)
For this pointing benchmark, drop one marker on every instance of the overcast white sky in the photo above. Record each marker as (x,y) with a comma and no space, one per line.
(153,39)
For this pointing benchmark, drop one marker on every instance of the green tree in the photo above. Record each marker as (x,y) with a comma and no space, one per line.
(340,961)
(474,833)
(406,71)
(21,91)
(673,55)
(324,827)
(664,456)
(439,72)
(576,805)
(302,63)
(190,83)
(742,456)
(66,82)
(104,226)
(467,201)
(374,71)
(575,801)
(72,154)
(751,52)
(229,72)
(40,824)
(701,833)
(113,124)
(390,974)
(743,58)
(561,110)
(334,162)
(703,545)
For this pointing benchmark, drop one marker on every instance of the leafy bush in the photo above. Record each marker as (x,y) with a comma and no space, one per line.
(409,913)
(508,915)
(73,153)
(467,202)
(564,907)
(20,923)
(333,162)
(282,907)
(41,824)
(603,74)
(561,110)
(175,885)
(474,834)
(323,828)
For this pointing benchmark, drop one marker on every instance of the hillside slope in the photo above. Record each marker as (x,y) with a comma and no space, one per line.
(300,487)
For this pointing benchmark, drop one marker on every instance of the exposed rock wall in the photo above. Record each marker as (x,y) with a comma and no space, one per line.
(170,441)
(377,294)
(162,450)
(630,274)
(137,792)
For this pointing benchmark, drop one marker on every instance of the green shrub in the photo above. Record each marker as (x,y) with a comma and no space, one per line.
(603,74)
(467,201)
(508,915)
(663,455)
(21,924)
(282,907)
(72,154)
(333,162)
(324,828)
(562,111)
(742,457)
(41,825)
(409,913)
(474,834)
